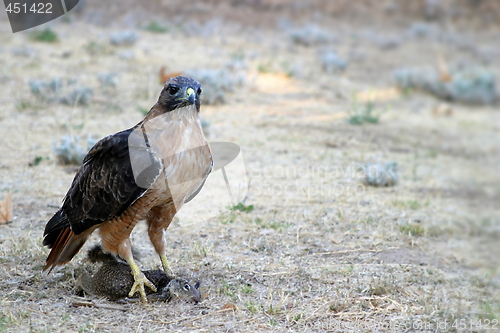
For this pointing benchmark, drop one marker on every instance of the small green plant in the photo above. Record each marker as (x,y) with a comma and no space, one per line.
(411,204)
(200,250)
(155,27)
(490,311)
(246,289)
(37,160)
(228,289)
(242,208)
(412,229)
(273,224)
(414,204)
(46,36)
(252,307)
(227,218)
(3,322)
(365,113)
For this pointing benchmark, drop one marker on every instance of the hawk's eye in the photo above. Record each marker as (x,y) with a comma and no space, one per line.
(199,91)
(172,90)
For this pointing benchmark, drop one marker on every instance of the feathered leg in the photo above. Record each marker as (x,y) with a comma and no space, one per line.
(159,219)
(115,239)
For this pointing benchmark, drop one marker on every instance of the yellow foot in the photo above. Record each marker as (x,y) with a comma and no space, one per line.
(140,282)
(166,265)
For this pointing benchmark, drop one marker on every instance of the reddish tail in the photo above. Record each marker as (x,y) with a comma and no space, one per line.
(65,248)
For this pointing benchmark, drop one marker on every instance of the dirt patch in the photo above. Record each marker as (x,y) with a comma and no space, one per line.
(406,256)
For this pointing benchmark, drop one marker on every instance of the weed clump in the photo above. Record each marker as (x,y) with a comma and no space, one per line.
(467,85)
(72,150)
(412,229)
(381,174)
(155,27)
(57,91)
(242,208)
(45,36)
(332,63)
(79,95)
(364,113)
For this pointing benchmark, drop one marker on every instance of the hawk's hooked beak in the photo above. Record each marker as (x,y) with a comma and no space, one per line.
(190,96)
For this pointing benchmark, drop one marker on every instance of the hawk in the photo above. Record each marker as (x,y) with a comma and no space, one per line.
(145,172)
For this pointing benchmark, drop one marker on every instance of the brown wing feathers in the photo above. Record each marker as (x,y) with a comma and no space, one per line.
(103,188)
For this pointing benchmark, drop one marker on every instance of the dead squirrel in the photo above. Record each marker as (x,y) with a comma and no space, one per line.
(113,280)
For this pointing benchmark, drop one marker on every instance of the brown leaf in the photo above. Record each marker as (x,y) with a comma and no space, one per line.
(229,306)
(331,144)
(6,209)
(164,75)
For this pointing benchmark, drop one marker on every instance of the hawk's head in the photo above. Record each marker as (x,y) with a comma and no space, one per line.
(180,91)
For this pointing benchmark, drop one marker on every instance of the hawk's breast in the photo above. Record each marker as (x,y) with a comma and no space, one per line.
(177,142)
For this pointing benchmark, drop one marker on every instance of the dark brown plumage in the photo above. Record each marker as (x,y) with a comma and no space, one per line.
(148,171)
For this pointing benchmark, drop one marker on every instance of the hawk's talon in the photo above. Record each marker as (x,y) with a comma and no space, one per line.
(166,266)
(138,286)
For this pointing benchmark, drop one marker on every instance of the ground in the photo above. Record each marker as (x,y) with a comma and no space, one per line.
(312,248)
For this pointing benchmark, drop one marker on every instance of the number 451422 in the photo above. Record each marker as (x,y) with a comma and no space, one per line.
(38,8)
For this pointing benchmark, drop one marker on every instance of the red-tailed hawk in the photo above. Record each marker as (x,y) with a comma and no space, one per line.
(148,171)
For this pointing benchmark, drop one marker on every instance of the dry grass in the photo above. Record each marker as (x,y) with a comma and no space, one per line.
(319,251)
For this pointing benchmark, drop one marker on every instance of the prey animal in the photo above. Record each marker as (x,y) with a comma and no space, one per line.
(113,281)
(146,172)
